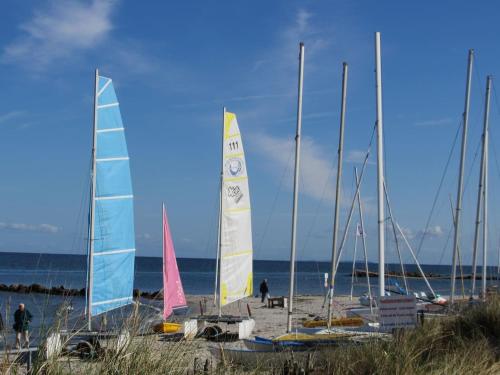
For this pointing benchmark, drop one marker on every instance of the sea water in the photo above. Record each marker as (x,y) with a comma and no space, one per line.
(198,277)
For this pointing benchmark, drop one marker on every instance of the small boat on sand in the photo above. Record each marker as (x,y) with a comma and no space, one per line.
(173,292)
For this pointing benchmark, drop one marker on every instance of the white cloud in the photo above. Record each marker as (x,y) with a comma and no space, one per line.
(10,115)
(315,164)
(409,234)
(432,232)
(357,157)
(45,228)
(435,231)
(58,31)
(303,30)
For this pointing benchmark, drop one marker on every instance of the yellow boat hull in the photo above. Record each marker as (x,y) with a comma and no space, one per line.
(305,337)
(167,327)
(336,322)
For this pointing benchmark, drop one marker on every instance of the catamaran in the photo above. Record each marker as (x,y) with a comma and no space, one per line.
(111,245)
(259,347)
(299,339)
(234,266)
(235,220)
(173,292)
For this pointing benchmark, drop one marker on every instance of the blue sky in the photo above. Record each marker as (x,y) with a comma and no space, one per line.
(175,64)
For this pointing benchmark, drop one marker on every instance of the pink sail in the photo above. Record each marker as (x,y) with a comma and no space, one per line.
(173,293)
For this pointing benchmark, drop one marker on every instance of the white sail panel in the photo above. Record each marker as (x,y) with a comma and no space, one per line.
(236,278)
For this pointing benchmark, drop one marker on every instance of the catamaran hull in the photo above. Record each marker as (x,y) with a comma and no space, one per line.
(267,345)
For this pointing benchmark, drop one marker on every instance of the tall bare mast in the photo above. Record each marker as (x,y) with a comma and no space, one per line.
(456,238)
(485,197)
(90,270)
(481,191)
(337,191)
(363,238)
(296,187)
(380,169)
(217,297)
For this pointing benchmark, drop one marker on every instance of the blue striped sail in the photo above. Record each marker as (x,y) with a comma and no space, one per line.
(113,240)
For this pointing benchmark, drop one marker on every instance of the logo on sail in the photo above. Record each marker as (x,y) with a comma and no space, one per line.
(234,167)
(235,193)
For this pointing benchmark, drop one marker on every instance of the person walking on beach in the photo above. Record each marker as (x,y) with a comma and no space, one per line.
(264,290)
(22,319)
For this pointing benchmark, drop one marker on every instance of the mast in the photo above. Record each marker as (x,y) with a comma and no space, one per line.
(398,250)
(92,208)
(296,186)
(456,238)
(337,191)
(363,239)
(380,169)
(481,191)
(163,254)
(354,260)
(485,197)
(217,266)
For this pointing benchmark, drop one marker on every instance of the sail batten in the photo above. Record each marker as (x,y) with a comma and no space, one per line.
(236,277)
(112,229)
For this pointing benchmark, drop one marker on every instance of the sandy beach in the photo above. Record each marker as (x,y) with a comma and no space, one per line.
(271,322)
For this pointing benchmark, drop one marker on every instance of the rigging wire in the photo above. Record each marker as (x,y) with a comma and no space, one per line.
(358,186)
(275,201)
(79,224)
(467,180)
(429,219)
(313,222)
(491,139)
(438,191)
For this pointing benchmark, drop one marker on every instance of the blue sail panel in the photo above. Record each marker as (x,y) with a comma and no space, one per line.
(113,178)
(114,225)
(111,144)
(106,91)
(111,289)
(108,117)
(113,232)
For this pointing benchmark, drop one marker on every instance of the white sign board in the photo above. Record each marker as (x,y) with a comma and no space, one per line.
(397,312)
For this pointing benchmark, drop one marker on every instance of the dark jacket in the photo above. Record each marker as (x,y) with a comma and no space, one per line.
(22,320)
(264,289)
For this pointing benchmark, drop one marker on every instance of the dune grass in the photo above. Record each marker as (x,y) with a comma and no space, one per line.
(465,343)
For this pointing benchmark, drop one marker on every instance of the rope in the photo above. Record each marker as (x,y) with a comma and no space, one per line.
(443,176)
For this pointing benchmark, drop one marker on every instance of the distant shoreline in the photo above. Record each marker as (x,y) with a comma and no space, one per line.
(69,292)
(417,275)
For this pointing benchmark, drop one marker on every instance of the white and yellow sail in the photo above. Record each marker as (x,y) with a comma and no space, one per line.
(236,279)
